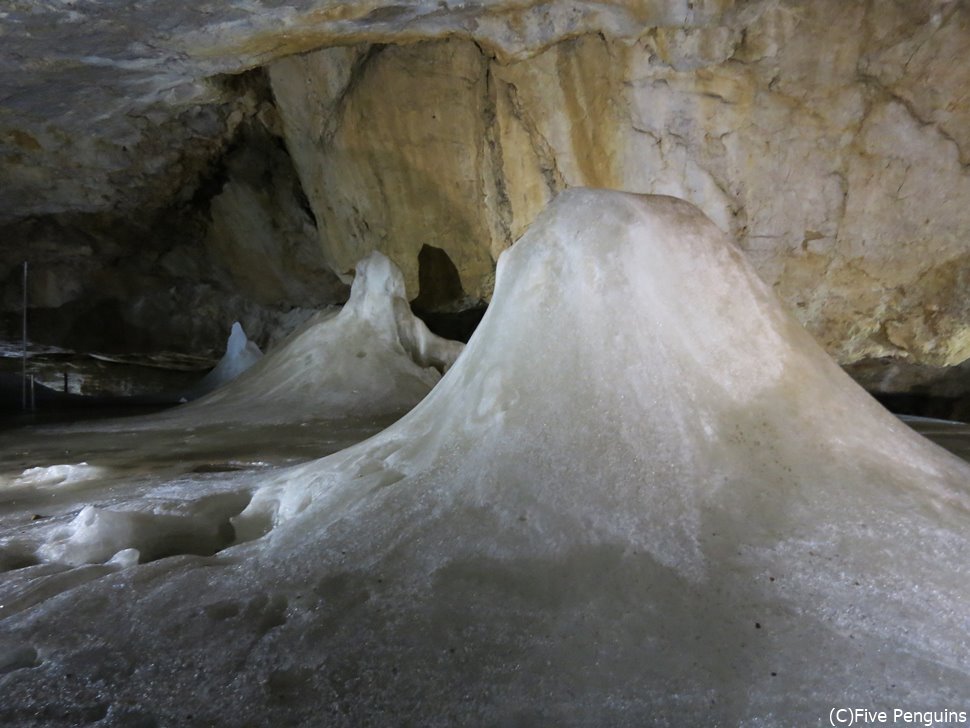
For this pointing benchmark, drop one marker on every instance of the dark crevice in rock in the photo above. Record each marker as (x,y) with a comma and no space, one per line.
(304,202)
(357,73)
(924,405)
(441,302)
(253,84)
(493,140)
(456,325)
(438,280)
(910,388)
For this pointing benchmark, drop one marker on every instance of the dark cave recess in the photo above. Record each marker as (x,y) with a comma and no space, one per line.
(441,301)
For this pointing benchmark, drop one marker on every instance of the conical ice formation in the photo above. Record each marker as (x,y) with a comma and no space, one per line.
(241,353)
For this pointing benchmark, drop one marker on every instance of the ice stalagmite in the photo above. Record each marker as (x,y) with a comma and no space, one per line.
(241,353)
(642,496)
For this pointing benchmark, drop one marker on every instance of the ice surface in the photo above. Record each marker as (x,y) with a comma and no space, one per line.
(241,353)
(642,496)
(55,476)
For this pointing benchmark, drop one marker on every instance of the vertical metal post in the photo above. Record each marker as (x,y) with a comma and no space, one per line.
(23,370)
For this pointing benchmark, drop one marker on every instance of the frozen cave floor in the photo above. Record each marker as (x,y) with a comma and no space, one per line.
(642,495)
(82,500)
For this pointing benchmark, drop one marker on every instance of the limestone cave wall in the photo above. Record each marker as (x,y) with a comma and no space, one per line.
(830,138)
(237,243)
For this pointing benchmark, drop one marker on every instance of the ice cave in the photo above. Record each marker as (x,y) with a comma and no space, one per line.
(538,363)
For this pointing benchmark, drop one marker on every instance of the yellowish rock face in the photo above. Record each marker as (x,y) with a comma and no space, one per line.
(800,130)
(401,162)
(829,138)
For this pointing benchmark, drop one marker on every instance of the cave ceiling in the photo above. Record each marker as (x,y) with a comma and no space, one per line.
(108,105)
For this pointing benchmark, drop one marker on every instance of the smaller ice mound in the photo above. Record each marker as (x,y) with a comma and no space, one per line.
(373,357)
(241,354)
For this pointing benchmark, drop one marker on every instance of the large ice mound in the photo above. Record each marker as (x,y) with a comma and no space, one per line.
(642,496)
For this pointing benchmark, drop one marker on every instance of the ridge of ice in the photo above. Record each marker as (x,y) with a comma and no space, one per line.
(54,476)
(97,535)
